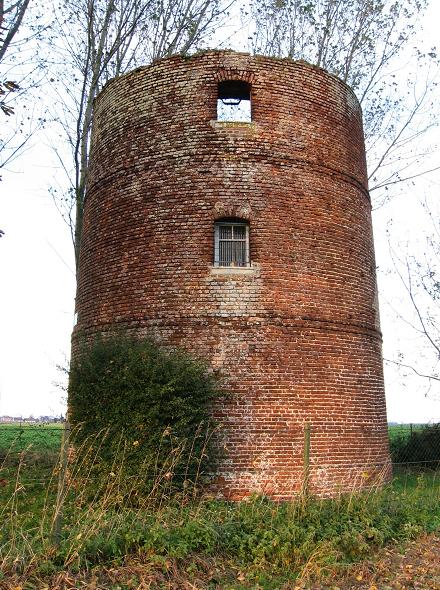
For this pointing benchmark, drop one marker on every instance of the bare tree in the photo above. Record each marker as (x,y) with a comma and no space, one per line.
(19,65)
(418,268)
(11,17)
(103,32)
(360,41)
(100,39)
(353,39)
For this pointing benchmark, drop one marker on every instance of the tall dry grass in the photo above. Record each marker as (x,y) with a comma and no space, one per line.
(82,514)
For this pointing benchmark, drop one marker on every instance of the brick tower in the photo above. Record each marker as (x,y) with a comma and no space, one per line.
(228,213)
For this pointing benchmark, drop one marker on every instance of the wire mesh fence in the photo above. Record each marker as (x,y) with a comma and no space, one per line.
(412,446)
(415,446)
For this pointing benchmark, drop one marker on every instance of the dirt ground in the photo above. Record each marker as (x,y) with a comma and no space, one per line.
(417,566)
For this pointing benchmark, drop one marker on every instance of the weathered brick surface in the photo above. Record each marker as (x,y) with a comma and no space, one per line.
(297,334)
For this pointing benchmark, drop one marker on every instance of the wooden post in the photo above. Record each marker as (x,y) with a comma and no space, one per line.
(306,474)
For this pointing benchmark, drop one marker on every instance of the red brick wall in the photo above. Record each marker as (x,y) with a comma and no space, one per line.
(297,335)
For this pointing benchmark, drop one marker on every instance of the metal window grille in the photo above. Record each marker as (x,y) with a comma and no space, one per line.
(231,244)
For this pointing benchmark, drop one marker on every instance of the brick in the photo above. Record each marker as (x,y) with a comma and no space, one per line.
(296,337)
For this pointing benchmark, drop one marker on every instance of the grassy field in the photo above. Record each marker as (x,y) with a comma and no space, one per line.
(403,430)
(47,437)
(38,438)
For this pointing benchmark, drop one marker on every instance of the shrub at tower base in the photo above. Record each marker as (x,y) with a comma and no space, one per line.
(141,414)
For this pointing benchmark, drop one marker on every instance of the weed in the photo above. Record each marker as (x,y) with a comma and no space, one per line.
(104,522)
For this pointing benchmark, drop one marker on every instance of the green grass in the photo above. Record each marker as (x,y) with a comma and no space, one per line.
(270,542)
(26,495)
(403,430)
(405,480)
(36,437)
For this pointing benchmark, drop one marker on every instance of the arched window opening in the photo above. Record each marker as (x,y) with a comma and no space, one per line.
(231,243)
(234,101)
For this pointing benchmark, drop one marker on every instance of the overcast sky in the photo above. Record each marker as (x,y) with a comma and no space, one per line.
(38,287)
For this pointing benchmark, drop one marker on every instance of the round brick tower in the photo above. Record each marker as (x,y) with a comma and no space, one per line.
(248,242)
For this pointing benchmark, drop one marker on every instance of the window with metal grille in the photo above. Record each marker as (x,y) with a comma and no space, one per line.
(234,101)
(231,246)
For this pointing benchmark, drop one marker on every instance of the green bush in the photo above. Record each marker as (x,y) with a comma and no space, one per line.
(141,411)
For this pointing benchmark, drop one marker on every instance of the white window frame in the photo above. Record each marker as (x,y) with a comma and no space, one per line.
(217,241)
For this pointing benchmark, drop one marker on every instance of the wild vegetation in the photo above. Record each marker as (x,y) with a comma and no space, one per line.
(212,543)
(73,519)
(146,405)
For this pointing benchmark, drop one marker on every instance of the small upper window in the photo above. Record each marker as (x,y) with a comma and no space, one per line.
(234,101)
(231,243)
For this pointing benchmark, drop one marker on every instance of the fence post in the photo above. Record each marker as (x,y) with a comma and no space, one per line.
(306,474)
(57,525)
